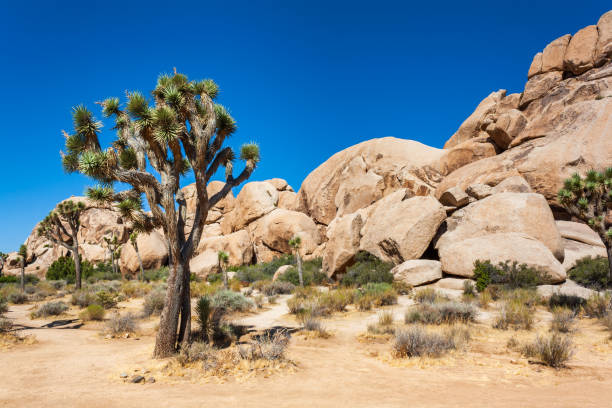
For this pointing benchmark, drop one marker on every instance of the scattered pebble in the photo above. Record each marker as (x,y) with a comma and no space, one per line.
(137,379)
(150,380)
(123,375)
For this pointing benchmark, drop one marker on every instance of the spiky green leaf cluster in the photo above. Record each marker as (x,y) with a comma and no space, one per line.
(127,158)
(225,122)
(110,107)
(100,194)
(250,152)
(295,242)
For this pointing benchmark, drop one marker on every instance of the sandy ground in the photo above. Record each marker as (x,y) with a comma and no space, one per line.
(73,366)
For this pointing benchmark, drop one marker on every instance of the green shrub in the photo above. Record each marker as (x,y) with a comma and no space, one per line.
(261,271)
(367,269)
(198,352)
(511,275)
(311,273)
(159,274)
(554,350)
(82,298)
(469,290)
(606,320)
(591,272)
(230,301)
(5,325)
(9,279)
(214,277)
(135,289)
(63,269)
(416,342)
(154,303)
(106,299)
(572,302)
(3,306)
(438,313)
(381,294)
(93,312)
(50,309)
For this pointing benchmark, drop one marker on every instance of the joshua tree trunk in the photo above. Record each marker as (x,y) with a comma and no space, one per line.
(299,266)
(224,270)
(22,275)
(609,250)
(140,263)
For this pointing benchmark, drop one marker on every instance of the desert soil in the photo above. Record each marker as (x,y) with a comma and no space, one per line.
(75,366)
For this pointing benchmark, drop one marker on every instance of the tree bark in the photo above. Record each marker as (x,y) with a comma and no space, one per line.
(609,250)
(22,275)
(299,265)
(224,270)
(184,336)
(77,269)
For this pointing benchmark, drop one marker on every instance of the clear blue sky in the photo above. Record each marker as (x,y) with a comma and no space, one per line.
(304,79)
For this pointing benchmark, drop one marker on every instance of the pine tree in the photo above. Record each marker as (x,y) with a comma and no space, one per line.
(53,227)
(589,198)
(182,131)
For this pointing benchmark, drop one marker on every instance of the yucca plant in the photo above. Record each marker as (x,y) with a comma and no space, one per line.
(23,259)
(61,227)
(295,244)
(590,199)
(114,248)
(3,258)
(223,258)
(177,130)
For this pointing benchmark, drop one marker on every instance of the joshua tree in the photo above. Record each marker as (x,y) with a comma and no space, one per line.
(182,131)
(295,243)
(223,261)
(114,248)
(3,258)
(23,257)
(133,238)
(590,199)
(53,227)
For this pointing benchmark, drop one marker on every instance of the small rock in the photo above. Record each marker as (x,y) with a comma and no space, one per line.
(137,379)
(150,380)
(126,335)
(454,197)
(123,375)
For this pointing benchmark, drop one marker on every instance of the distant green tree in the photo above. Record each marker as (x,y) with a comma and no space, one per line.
(589,198)
(223,261)
(114,248)
(23,258)
(53,227)
(295,243)
(3,258)
(133,241)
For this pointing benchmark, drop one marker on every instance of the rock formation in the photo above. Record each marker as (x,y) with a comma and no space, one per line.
(489,194)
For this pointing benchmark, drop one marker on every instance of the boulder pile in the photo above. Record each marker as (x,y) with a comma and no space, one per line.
(489,194)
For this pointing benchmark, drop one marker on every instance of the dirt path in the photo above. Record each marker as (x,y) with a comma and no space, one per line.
(79,368)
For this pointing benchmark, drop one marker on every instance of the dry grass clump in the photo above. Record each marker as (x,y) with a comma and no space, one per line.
(553,350)
(268,346)
(82,298)
(264,354)
(93,312)
(597,305)
(17,298)
(277,288)
(122,323)
(384,325)
(199,289)
(134,289)
(417,342)
(312,326)
(49,309)
(563,320)
(428,295)
(438,313)
(518,309)
(153,303)
(607,322)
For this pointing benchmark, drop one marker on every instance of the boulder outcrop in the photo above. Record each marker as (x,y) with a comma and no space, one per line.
(417,272)
(153,252)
